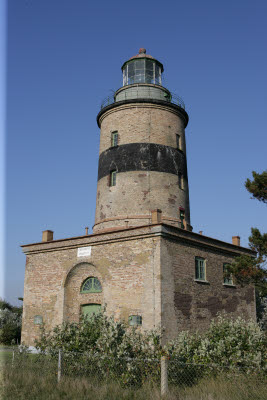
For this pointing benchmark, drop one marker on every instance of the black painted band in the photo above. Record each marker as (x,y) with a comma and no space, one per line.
(142,157)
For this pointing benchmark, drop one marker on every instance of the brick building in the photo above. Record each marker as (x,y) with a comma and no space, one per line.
(142,262)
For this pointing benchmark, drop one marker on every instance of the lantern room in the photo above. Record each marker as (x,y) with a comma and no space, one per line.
(142,68)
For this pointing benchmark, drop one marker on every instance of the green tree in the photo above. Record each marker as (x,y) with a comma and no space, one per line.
(249,270)
(258,186)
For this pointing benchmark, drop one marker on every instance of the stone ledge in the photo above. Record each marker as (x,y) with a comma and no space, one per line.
(160,103)
(139,232)
(229,285)
(202,281)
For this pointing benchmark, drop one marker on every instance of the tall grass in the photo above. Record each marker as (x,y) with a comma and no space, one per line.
(30,382)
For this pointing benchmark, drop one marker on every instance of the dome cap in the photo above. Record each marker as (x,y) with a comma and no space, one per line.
(142,54)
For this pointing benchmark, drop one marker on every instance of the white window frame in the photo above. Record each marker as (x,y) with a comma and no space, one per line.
(227,281)
(197,266)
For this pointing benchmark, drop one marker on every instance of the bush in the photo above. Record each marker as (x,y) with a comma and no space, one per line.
(101,335)
(104,348)
(107,350)
(10,323)
(228,342)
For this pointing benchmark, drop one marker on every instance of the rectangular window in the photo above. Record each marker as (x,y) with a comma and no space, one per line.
(38,320)
(182,216)
(200,266)
(114,139)
(135,320)
(180,181)
(178,142)
(227,277)
(113,178)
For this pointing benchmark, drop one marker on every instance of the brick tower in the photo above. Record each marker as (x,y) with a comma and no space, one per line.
(142,157)
(143,263)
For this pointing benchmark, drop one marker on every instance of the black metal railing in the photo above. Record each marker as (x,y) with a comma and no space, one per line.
(135,94)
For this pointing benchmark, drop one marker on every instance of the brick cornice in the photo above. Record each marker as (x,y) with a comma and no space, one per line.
(140,232)
(152,103)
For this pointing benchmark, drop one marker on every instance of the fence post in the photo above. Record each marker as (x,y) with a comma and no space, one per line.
(13,356)
(59,365)
(164,376)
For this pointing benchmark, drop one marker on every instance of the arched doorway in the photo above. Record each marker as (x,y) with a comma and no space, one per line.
(83,292)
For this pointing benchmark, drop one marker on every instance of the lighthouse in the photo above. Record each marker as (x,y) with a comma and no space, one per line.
(142,156)
(142,264)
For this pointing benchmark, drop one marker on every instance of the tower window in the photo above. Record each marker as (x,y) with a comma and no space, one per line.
(180,181)
(178,142)
(113,176)
(114,139)
(200,269)
(135,320)
(91,285)
(227,277)
(182,217)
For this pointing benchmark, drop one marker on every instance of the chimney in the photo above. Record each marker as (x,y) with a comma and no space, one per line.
(236,240)
(201,232)
(47,236)
(156,216)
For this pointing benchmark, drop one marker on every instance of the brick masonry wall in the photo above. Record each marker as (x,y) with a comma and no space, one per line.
(147,271)
(142,123)
(138,192)
(190,305)
(127,270)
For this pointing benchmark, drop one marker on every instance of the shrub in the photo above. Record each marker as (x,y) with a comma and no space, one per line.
(10,323)
(104,348)
(107,349)
(100,335)
(228,342)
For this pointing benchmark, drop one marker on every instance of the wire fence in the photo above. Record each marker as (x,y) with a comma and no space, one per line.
(168,375)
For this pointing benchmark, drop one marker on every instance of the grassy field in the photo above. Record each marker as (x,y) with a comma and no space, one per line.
(33,384)
(5,355)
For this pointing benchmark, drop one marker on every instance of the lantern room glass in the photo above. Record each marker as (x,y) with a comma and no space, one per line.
(142,71)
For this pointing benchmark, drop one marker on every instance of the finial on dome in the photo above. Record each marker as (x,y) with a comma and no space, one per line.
(142,51)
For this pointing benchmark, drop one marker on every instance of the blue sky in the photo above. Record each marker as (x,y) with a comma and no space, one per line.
(64,56)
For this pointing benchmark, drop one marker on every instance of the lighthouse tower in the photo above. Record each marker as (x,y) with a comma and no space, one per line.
(142,264)
(142,157)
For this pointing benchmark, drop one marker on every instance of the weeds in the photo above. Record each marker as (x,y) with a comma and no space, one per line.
(36,380)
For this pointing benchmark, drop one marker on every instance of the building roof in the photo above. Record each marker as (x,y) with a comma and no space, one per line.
(142,54)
